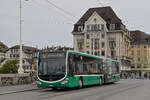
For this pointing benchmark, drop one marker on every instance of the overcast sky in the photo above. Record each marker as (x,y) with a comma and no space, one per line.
(43,24)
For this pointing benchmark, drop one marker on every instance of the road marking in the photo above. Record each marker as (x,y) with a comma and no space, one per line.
(11,92)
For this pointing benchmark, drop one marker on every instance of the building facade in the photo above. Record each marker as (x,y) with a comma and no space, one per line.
(120,48)
(56,48)
(13,53)
(140,65)
(100,32)
(3,49)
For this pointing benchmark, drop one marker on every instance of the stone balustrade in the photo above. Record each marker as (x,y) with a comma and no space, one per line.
(15,79)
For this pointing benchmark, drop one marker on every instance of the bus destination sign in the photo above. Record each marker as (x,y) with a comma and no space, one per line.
(52,55)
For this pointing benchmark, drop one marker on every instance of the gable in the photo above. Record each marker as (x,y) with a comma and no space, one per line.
(95,19)
(105,12)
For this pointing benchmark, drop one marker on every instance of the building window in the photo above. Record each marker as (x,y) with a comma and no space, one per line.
(103,36)
(113,53)
(112,26)
(88,28)
(145,59)
(95,20)
(99,27)
(132,66)
(145,52)
(95,27)
(87,52)
(98,53)
(92,45)
(138,59)
(96,43)
(112,44)
(138,65)
(80,28)
(23,61)
(138,52)
(92,27)
(132,46)
(103,53)
(145,65)
(102,27)
(145,46)
(132,52)
(80,45)
(103,44)
(87,46)
(95,53)
(87,36)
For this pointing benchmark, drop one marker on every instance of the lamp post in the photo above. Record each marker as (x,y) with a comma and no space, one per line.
(20,70)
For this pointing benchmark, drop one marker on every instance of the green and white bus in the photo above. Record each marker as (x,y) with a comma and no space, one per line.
(68,69)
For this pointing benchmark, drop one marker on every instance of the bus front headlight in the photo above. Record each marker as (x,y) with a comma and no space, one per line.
(38,82)
(64,82)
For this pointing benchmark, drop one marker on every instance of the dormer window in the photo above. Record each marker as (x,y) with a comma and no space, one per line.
(80,28)
(95,27)
(102,27)
(112,26)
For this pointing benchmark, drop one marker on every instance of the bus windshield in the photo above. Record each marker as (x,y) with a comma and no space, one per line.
(52,69)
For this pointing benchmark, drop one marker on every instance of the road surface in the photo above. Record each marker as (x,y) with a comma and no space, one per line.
(137,89)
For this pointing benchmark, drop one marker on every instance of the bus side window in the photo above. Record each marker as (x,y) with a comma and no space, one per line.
(85,69)
(117,66)
(91,69)
(76,68)
(80,67)
(70,65)
(100,66)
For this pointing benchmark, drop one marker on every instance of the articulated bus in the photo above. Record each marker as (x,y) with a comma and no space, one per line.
(68,69)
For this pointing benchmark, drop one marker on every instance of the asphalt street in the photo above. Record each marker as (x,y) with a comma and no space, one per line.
(137,89)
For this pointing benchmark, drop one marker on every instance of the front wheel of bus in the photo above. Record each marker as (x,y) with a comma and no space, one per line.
(54,88)
(80,83)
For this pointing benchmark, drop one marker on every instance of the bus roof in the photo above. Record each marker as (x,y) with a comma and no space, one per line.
(84,54)
(112,60)
(115,60)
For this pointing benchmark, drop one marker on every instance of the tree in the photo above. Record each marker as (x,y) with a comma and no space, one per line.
(9,67)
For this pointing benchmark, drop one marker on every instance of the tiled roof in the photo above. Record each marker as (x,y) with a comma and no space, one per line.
(139,37)
(57,48)
(106,13)
(3,47)
(26,49)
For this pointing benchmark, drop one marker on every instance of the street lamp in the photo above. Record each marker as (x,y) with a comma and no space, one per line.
(20,70)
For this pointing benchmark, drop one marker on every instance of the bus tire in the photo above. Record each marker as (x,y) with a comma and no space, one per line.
(80,83)
(54,88)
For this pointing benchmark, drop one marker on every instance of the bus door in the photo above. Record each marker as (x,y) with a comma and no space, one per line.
(108,71)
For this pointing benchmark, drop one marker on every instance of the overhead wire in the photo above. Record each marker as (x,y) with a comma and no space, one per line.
(61,9)
(100,3)
(39,4)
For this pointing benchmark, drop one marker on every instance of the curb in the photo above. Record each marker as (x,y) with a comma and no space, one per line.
(25,90)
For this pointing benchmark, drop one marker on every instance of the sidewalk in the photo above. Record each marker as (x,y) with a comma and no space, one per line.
(17,88)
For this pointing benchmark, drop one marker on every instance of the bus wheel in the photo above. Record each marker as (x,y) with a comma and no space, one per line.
(80,83)
(54,88)
(100,81)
